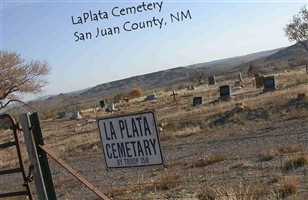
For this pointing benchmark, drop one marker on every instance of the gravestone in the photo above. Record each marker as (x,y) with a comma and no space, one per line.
(212,80)
(240,78)
(76,115)
(151,97)
(102,103)
(62,114)
(110,107)
(269,83)
(191,88)
(259,81)
(197,101)
(225,92)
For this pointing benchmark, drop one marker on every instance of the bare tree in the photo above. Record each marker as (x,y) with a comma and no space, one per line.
(18,77)
(198,76)
(252,70)
(297,30)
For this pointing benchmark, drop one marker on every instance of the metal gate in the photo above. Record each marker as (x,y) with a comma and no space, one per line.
(21,168)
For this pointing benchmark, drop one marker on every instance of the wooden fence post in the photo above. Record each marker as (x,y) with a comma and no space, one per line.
(33,157)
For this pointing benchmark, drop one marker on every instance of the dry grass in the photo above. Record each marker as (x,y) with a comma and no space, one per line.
(290,148)
(241,164)
(115,191)
(241,191)
(202,162)
(166,182)
(185,132)
(269,154)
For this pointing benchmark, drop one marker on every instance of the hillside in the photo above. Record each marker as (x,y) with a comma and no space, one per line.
(265,60)
(147,82)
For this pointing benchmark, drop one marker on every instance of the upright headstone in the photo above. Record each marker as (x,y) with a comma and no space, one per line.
(197,101)
(110,107)
(212,80)
(269,83)
(240,78)
(191,88)
(76,115)
(225,92)
(102,103)
(259,81)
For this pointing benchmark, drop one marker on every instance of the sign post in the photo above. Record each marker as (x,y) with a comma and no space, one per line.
(130,140)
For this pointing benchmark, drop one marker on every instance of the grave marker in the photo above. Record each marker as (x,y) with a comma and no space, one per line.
(151,97)
(269,83)
(76,115)
(191,88)
(110,107)
(197,101)
(102,103)
(240,78)
(225,92)
(174,96)
(212,80)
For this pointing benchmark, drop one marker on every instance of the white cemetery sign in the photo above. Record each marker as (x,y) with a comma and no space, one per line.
(130,140)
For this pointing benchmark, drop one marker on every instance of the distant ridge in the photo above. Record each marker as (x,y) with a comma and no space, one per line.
(265,60)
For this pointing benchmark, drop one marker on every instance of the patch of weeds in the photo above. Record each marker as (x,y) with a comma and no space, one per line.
(173,163)
(115,192)
(241,191)
(288,188)
(276,178)
(166,182)
(295,162)
(241,164)
(209,160)
(269,155)
(289,148)
(206,195)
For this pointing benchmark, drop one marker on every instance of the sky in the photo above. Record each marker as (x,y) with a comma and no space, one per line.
(209,30)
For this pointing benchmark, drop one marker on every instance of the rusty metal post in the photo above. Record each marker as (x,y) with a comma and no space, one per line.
(33,157)
(38,139)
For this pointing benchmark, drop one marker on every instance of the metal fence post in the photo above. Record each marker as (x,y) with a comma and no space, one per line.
(38,139)
(33,157)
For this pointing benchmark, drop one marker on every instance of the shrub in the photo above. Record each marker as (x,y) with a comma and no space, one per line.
(136,92)
(295,162)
